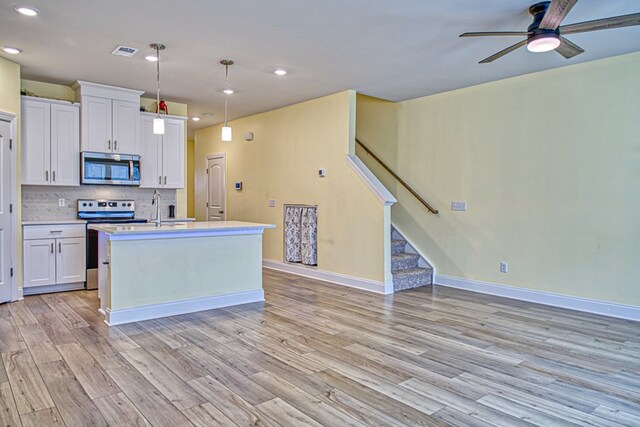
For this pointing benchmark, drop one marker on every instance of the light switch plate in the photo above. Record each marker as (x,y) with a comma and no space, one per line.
(272,203)
(61,202)
(458,206)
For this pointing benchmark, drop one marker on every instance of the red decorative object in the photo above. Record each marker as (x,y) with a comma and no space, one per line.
(164,109)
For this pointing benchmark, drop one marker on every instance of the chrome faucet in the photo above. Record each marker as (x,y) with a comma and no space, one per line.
(156,201)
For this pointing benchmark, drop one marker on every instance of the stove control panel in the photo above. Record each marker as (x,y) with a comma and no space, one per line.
(103,205)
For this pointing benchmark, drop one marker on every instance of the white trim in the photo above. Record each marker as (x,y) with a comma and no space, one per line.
(154,311)
(328,276)
(16,293)
(371,181)
(547,298)
(49,100)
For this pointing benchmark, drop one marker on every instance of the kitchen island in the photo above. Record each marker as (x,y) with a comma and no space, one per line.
(147,271)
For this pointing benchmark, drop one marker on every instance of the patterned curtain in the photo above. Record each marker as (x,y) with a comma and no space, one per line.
(301,234)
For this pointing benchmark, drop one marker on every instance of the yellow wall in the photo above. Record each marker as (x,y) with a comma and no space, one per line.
(548,164)
(189,179)
(282,163)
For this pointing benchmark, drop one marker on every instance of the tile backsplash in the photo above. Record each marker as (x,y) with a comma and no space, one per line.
(41,202)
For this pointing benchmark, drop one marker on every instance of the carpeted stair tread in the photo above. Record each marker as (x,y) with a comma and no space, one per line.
(398,246)
(404,261)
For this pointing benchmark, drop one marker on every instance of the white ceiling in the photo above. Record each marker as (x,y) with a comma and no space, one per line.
(395,50)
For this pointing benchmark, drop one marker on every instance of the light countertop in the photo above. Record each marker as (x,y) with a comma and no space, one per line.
(174,230)
(55,222)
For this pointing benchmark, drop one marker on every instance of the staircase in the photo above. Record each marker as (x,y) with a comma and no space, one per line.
(409,269)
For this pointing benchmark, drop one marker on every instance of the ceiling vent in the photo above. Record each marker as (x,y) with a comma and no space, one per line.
(125,51)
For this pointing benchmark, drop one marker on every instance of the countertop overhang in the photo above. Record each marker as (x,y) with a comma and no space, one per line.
(151,231)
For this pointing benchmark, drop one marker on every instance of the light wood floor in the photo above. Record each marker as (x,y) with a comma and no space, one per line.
(318,354)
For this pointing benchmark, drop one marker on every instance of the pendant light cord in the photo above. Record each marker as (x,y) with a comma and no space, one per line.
(226,94)
(158,80)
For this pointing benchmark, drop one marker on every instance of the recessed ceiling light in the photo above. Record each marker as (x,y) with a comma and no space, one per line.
(195,119)
(151,58)
(228,91)
(280,72)
(12,50)
(207,115)
(27,10)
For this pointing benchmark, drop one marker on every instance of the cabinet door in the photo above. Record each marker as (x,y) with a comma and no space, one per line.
(173,154)
(151,155)
(39,262)
(96,124)
(65,145)
(36,142)
(126,126)
(70,260)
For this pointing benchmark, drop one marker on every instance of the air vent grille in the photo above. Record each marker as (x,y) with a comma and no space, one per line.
(125,51)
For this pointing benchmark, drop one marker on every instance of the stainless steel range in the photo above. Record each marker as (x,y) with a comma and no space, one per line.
(103,211)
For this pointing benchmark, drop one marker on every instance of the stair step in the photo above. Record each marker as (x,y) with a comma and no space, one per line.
(412,278)
(398,246)
(404,261)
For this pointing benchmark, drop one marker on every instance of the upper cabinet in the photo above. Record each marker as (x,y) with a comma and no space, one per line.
(50,142)
(110,118)
(162,164)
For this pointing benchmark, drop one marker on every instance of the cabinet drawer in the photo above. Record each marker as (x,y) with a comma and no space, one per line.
(53,231)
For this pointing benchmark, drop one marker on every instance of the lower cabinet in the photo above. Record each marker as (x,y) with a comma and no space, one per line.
(56,260)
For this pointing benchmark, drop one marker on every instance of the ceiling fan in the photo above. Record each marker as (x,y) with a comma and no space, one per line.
(545,32)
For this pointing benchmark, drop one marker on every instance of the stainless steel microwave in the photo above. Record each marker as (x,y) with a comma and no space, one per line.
(110,168)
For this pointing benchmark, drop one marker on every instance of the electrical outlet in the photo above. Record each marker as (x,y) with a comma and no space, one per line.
(504,267)
(272,203)
(458,206)
(61,202)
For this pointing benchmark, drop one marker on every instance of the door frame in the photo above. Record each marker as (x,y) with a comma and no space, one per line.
(12,119)
(223,156)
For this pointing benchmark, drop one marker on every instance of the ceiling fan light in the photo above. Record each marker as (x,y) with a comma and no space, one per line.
(543,43)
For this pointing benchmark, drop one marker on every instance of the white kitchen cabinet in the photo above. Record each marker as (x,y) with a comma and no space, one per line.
(110,118)
(50,142)
(54,257)
(162,164)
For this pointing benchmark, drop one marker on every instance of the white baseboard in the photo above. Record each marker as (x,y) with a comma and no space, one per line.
(127,315)
(328,276)
(34,290)
(621,311)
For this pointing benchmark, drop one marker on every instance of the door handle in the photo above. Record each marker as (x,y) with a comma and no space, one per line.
(52,248)
(59,247)
(115,145)
(46,176)
(220,212)
(109,144)
(159,180)
(54,176)
(165,180)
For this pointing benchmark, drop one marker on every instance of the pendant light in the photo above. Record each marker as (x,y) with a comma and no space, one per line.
(158,123)
(226,129)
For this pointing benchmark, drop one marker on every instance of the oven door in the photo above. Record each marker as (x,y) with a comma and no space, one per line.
(110,169)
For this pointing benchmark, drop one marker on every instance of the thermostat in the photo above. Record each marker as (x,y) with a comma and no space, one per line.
(322,172)
(239,185)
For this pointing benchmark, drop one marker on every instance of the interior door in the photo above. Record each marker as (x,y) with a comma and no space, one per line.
(70,265)
(216,194)
(65,145)
(5,217)
(126,116)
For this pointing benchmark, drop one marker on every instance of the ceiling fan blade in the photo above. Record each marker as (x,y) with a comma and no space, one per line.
(503,52)
(568,49)
(555,13)
(495,33)
(602,24)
